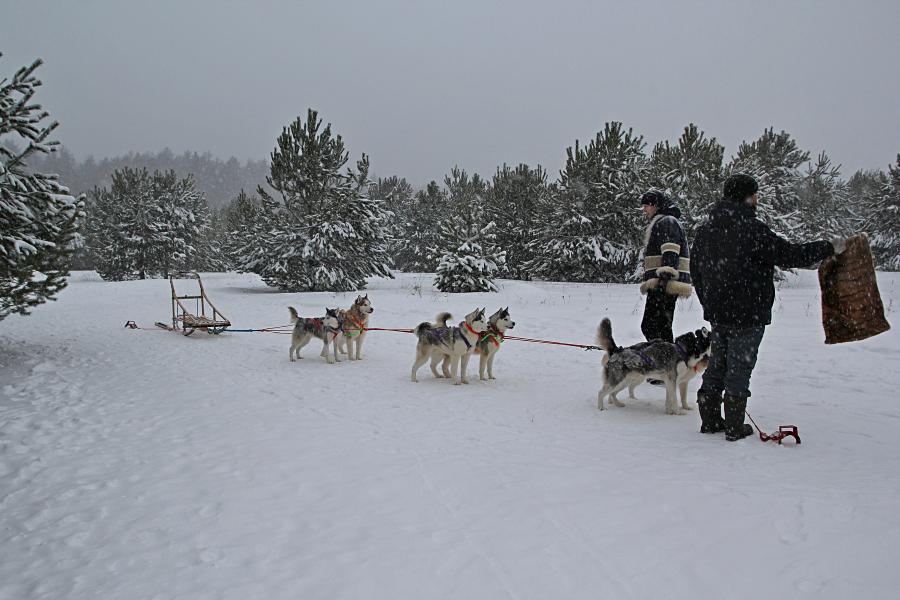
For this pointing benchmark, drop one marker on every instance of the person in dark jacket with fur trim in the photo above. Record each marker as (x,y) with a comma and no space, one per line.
(666,265)
(733,270)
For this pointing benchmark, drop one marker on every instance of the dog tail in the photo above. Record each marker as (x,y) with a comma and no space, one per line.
(294,316)
(441,319)
(605,338)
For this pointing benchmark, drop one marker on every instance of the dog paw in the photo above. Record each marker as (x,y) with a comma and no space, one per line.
(492,377)
(465,381)
(619,404)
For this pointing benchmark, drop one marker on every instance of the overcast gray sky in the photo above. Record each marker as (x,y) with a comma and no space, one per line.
(421,86)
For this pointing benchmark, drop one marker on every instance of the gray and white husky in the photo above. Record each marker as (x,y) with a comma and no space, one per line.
(673,363)
(439,341)
(325,328)
(489,344)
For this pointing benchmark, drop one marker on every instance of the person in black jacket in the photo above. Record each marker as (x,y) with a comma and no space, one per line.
(733,269)
(666,265)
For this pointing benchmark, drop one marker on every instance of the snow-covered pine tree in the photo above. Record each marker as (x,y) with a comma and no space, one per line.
(147,225)
(312,242)
(882,222)
(774,160)
(38,217)
(238,226)
(397,196)
(181,230)
(824,202)
(419,243)
(368,247)
(690,172)
(470,260)
(471,265)
(119,226)
(518,201)
(253,252)
(594,233)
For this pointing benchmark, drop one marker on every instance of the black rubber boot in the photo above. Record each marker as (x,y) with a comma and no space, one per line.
(735,428)
(710,408)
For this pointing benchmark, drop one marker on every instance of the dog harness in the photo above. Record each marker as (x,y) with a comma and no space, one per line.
(438,332)
(493,334)
(318,323)
(639,349)
(353,332)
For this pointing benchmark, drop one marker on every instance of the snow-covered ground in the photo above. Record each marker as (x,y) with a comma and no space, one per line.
(142,464)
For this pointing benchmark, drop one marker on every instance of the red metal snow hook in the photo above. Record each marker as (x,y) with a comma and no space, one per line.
(783,432)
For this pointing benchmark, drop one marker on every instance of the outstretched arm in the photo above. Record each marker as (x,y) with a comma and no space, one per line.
(786,255)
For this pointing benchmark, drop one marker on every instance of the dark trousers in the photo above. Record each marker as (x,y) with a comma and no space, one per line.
(731,361)
(659,311)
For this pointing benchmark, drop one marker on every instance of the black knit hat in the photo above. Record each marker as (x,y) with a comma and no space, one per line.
(656,198)
(739,187)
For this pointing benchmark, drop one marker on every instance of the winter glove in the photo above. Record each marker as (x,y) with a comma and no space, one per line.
(839,244)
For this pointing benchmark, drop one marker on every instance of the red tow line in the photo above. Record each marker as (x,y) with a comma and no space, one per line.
(783,432)
(536,341)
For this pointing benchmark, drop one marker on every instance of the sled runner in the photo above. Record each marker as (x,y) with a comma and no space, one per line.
(188,322)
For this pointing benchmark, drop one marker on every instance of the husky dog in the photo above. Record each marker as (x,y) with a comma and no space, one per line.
(326,328)
(437,341)
(355,320)
(673,363)
(489,344)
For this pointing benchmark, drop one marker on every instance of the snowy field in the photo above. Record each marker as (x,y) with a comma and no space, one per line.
(146,465)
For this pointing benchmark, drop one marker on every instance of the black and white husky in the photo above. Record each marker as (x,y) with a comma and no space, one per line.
(673,363)
(325,328)
(438,341)
(489,344)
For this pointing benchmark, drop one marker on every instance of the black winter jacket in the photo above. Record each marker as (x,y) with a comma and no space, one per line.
(666,255)
(733,262)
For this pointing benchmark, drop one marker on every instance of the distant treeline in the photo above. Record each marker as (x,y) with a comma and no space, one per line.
(220,181)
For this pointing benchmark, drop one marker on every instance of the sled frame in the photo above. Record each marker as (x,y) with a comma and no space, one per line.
(210,320)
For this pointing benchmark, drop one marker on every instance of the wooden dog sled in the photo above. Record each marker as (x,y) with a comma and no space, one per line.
(188,322)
